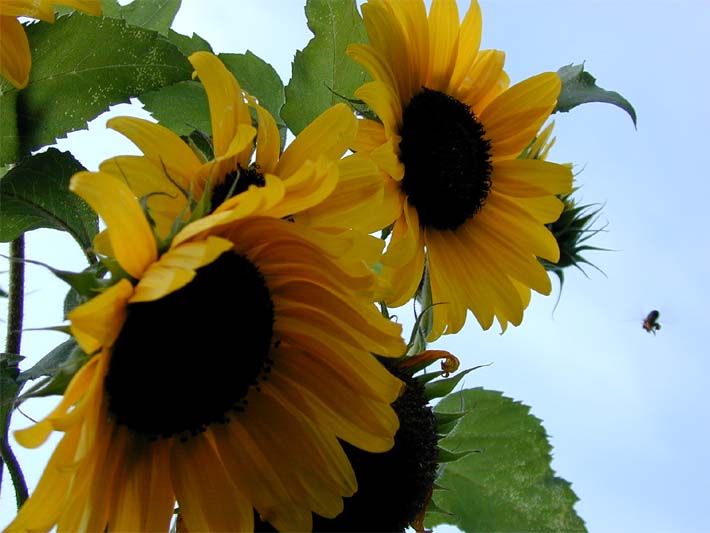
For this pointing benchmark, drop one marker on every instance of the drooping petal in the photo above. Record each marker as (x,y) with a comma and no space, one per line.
(201,498)
(177,267)
(228,110)
(98,322)
(132,240)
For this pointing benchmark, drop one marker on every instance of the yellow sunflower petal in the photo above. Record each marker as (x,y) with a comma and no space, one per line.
(306,187)
(161,146)
(315,477)
(455,288)
(228,110)
(357,201)
(483,82)
(37,434)
(513,119)
(328,136)
(247,464)
(389,43)
(132,240)
(149,182)
(145,500)
(403,262)
(387,158)
(92,7)
(530,177)
(443,43)
(15,58)
(517,225)
(355,419)
(513,260)
(208,500)
(370,135)
(469,42)
(177,267)
(372,62)
(36,9)
(413,18)
(98,322)
(546,209)
(383,101)
(268,140)
(40,512)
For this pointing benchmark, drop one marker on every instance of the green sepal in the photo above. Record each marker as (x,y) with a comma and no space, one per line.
(417,340)
(321,71)
(87,284)
(579,87)
(103,57)
(429,376)
(442,387)
(35,194)
(572,230)
(447,456)
(425,319)
(445,422)
(58,368)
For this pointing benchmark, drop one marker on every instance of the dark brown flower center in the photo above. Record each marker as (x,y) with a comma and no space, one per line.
(446,159)
(234,183)
(187,360)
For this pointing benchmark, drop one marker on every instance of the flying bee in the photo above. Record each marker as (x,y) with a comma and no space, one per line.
(650,323)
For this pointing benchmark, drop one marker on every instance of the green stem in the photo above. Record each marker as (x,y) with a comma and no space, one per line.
(13,345)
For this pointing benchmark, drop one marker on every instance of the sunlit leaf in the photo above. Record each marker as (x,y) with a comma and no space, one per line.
(35,194)
(189,45)
(509,485)
(81,66)
(181,107)
(157,15)
(322,73)
(579,87)
(258,78)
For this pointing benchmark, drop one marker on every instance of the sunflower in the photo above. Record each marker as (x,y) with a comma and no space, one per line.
(449,136)
(225,372)
(170,172)
(15,58)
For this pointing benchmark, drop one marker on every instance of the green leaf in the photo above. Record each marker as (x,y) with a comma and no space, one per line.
(579,87)
(35,194)
(258,78)
(59,367)
(50,364)
(509,485)
(189,45)
(322,74)
(181,107)
(103,59)
(157,15)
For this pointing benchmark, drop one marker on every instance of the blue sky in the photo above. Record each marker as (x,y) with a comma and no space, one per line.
(626,410)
